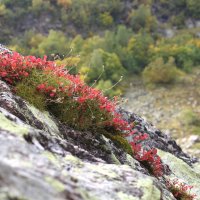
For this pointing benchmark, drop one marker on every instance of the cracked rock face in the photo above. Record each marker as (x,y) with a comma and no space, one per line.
(40,158)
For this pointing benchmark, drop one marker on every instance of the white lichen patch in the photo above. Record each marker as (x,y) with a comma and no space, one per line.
(150,191)
(45,118)
(57,185)
(103,171)
(86,195)
(16,162)
(131,161)
(73,161)
(52,158)
(123,196)
(11,126)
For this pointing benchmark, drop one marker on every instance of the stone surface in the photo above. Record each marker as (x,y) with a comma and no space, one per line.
(40,158)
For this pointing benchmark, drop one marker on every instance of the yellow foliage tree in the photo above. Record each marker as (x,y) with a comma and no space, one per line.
(65,3)
(160,72)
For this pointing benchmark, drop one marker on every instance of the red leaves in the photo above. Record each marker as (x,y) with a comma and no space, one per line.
(81,100)
(180,190)
(50,91)
(52,94)
(149,157)
(3,74)
(41,87)
(14,67)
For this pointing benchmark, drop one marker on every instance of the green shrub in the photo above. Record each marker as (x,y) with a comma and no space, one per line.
(142,18)
(3,10)
(106,19)
(113,67)
(194,8)
(159,72)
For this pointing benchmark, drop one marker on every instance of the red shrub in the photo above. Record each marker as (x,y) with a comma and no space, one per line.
(181,191)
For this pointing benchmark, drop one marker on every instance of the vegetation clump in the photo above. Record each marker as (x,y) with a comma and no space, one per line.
(158,72)
(50,86)
(181,191)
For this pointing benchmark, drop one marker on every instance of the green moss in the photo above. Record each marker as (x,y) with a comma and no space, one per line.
(87,116)
(119,140)
(67,112)
(115,160)
(30,94)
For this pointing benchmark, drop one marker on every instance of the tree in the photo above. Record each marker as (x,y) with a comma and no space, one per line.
(160,72)
(138,48)
(64,3)
(52,44)
(123,35)
(142,19)
(106,19)
(194,8)
(113,69)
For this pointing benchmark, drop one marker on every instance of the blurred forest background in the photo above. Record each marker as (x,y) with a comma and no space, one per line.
(153,44)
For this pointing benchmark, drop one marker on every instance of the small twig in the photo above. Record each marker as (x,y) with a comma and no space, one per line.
(95,81)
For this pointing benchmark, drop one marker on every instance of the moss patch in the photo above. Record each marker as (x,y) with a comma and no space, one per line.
(30,94)
(120,141)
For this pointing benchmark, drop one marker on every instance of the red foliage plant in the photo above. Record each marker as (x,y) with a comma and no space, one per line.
(71,90)
(181,191)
